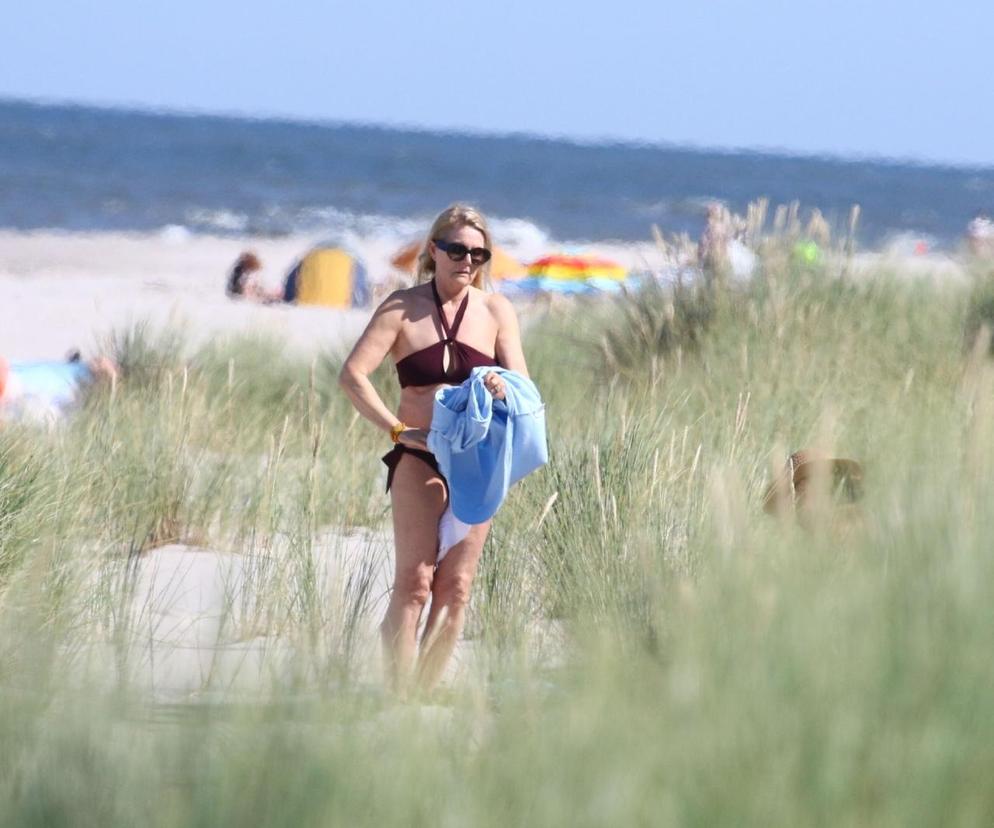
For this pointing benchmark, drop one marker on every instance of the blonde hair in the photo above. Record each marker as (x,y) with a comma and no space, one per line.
(458,215)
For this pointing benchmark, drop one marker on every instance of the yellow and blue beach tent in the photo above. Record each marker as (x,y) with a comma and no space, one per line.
(330,277)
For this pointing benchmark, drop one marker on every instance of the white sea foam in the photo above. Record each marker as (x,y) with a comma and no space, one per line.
(525,238)
(214,220)
(375,238)
(175,234)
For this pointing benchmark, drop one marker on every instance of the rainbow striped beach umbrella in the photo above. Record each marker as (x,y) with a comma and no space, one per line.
(561,266)
(571,275)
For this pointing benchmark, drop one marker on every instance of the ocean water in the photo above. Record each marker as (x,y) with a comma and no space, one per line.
(79,168)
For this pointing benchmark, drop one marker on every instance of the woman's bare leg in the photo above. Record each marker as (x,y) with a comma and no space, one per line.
(418,496)
(450,593)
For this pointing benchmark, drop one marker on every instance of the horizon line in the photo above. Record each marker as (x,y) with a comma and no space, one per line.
(594,142)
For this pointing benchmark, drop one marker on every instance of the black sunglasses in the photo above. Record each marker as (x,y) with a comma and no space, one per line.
(457,252)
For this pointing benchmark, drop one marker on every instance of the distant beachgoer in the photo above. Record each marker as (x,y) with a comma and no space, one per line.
(818,229)
(980,235)
(722,251)
(437,332)
(239,279)
(712,249)
(47,389)
(243,284)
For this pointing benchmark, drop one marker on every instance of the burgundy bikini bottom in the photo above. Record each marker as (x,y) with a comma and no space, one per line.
(392,458)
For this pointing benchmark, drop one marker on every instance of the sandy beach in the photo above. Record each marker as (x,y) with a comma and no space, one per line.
(70,290)
(61,290)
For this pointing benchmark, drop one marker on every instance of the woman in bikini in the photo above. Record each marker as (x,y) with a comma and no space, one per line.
(436,332)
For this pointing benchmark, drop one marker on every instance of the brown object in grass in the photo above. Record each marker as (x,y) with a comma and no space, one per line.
(794,489)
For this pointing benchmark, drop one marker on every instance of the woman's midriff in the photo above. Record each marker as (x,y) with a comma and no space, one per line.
(416,405)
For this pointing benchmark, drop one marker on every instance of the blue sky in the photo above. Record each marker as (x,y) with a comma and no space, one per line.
(897,79)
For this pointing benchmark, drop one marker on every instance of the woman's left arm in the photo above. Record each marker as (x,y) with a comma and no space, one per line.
(510,354)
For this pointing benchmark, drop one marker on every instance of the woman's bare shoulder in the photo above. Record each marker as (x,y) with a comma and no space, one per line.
(499,305)
(402,299)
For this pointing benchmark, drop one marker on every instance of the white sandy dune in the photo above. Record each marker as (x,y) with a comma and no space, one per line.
(195,628)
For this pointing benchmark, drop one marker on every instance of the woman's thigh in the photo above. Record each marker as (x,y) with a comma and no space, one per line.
(458,568)
(418,497)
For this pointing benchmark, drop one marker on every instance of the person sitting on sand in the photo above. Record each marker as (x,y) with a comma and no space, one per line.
(437,332)
(243,284)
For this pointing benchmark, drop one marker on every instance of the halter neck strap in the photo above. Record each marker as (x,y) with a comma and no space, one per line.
(450,333)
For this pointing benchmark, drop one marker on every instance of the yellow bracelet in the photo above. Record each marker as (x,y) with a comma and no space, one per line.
(396,431)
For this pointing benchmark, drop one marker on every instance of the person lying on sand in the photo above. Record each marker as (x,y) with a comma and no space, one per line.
(48,389)
(437,332)
(244,284)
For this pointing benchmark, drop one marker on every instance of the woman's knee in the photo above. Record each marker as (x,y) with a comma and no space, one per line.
(413,586)
(453,590)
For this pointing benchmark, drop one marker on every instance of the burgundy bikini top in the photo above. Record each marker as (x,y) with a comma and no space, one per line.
(424,367)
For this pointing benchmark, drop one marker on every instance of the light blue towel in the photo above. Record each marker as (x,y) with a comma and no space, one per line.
(483,446)
(54,384)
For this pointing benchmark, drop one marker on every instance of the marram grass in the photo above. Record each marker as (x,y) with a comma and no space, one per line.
(712,665)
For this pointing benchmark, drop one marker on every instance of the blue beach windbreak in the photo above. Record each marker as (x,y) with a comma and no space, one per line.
(483,446)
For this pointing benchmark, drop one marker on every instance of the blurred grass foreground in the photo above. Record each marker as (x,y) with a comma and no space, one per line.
(646,645)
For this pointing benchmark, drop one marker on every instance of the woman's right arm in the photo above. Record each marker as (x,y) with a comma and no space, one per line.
(375,343)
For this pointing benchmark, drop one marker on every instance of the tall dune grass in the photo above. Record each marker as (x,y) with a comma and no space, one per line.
(651,648)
